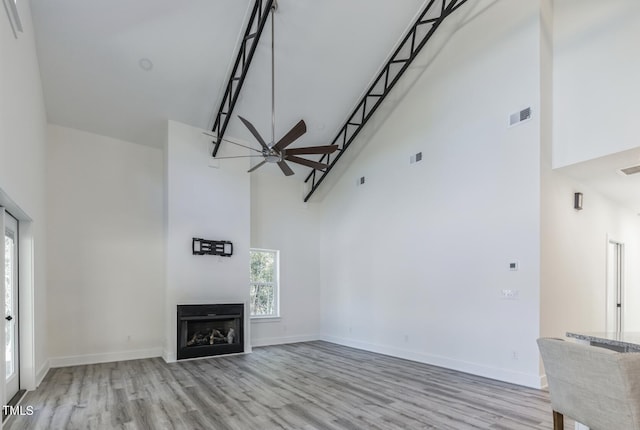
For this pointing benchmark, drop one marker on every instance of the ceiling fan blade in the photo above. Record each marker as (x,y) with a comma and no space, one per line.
(238,156)
(305,162)
(298,130)
(253,131)
(256,166)
(230,141)
(285,168)
(326,149)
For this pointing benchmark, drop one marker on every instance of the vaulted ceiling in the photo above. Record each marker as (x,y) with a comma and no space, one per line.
(90,56)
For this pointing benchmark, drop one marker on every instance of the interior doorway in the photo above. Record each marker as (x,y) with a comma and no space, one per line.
(11,265)
(615,287)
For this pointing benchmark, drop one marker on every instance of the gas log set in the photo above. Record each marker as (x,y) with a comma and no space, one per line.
(212,337)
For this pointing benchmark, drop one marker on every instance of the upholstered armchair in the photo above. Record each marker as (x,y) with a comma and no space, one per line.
(594,386)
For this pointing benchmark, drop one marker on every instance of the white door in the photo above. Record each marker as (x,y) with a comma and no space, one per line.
(615,265)
(11,305)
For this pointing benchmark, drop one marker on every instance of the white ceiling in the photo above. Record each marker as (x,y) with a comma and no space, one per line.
(326,54)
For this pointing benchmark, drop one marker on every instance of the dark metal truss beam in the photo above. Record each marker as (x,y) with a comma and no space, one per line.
(257,21)
(427,23)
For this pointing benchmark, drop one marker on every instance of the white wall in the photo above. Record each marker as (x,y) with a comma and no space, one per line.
(209,203)
(594,114)
(596,78)
(415,259)
(574,256)
(280,220)
(105,248)
(22,181)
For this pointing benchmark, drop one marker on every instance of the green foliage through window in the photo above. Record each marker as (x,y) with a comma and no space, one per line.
(264,282)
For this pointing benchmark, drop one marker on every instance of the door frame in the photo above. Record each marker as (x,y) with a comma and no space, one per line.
(30,376)
(620,268)
(16,287)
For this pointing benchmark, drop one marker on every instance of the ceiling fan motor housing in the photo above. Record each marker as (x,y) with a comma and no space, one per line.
(272,156)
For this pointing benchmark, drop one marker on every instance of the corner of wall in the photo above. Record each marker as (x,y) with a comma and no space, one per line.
(42,372)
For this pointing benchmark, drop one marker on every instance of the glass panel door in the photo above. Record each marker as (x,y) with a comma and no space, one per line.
(11,304)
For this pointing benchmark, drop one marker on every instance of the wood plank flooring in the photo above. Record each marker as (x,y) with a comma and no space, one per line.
(312,385)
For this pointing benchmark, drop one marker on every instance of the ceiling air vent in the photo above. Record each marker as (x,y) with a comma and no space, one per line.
(519,117)
(631,170)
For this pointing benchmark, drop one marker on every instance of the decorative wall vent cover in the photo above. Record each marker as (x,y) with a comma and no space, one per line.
(520,117)
(630,170)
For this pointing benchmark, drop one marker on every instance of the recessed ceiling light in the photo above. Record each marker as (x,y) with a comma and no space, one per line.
(145,64)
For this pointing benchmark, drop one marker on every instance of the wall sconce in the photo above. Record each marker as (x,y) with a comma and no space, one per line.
(577,201)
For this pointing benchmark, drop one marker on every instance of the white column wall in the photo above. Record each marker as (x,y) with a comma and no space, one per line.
(210,203)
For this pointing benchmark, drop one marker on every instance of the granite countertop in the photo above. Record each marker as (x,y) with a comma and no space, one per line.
(630,341)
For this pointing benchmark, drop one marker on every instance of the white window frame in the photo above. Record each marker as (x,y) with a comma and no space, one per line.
(275,284)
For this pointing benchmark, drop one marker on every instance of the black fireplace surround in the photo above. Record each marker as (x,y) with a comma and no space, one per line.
(207,330)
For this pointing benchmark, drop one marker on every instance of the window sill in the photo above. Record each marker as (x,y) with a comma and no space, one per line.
(265,319)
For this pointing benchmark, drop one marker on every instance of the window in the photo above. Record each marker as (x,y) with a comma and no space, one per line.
(264,283)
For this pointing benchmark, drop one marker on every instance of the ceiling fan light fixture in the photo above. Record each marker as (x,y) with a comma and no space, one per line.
(273,158)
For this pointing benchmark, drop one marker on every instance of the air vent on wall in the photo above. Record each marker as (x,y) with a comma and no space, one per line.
(630,170)
(415,158)
(519,117)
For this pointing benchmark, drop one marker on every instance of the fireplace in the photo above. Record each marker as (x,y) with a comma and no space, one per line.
(206,330)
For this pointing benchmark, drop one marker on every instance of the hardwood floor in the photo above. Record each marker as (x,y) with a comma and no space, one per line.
(313,385)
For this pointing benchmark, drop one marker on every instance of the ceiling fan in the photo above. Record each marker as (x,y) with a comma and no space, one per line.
(277,152)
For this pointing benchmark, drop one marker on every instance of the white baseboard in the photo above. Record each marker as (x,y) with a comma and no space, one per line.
(168,356)
(267,341)
(79,360)
(42,372)
(519,378)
